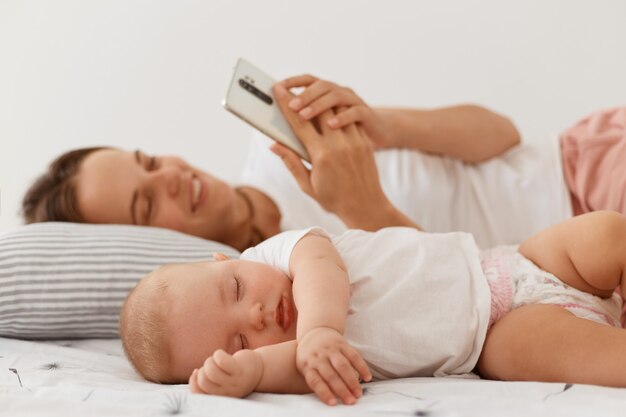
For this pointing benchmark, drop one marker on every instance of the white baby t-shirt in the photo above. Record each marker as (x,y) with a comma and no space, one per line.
(419,302)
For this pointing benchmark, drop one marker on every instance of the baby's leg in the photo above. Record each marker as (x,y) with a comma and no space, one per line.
(548,343)
(587,252)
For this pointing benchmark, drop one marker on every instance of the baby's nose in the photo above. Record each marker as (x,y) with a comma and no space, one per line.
(256,316)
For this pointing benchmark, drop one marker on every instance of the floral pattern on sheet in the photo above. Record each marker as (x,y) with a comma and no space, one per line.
(93,378)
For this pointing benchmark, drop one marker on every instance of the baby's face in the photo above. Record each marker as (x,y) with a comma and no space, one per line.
(229,305)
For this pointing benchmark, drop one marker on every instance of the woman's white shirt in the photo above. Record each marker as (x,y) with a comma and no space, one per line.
(501,201)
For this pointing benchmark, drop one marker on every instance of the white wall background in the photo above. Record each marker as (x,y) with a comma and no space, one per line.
(152,73)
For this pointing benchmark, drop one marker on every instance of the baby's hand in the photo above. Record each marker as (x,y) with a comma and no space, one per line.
(230,375)
(321,95)
(330,366)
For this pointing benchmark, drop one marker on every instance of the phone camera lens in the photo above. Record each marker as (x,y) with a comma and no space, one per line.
(255,91)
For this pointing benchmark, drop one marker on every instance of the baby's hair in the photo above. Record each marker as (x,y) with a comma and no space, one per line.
(143,328)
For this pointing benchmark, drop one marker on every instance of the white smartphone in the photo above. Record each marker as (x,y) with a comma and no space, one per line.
(250,98)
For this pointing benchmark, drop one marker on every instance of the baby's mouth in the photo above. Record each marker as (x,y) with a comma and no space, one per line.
(284,314)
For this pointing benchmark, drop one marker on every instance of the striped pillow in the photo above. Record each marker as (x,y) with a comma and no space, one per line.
(67,280)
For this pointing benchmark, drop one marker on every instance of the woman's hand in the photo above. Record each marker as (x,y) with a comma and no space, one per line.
(330,366)
(344,177)
(229,375)
(321,95)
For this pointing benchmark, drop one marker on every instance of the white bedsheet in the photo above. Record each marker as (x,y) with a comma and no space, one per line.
(92,378)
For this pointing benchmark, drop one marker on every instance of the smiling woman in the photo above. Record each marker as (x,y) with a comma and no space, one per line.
(112,186)
(455,168)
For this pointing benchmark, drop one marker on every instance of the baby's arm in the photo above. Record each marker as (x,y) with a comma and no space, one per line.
(321,289)
(321,292)
(267,369)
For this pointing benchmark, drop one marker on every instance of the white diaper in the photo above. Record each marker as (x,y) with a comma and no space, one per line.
(515,281)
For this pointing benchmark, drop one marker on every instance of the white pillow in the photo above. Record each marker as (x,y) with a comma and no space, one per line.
(69,280)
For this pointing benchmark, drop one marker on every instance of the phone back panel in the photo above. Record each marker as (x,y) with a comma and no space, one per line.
(250,97)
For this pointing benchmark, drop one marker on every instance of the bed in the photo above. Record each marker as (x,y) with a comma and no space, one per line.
(92,378)
(61,287)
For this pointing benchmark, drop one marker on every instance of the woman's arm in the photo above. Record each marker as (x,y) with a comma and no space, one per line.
(467,132)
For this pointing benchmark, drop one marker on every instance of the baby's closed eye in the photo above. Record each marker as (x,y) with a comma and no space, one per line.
(238,288)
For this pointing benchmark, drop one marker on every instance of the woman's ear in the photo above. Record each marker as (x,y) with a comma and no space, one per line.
(219,256)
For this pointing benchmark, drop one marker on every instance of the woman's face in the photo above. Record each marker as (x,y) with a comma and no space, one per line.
(121,187)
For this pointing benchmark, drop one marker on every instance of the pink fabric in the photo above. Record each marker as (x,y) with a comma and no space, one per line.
(594,161)
(496,270)
(607,319)
(514,281)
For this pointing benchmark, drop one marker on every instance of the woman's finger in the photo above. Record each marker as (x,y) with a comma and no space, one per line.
(303,80)
(322,121)
(312,93)
(347,116)
(294,164)
(303,129)
(327,101)
(350,129)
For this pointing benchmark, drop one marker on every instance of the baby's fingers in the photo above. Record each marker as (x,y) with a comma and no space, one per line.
(193,383)
(348,374)
(225,362)
(337,381)
(358,363)
(199,384)
(210,377)
(317,384)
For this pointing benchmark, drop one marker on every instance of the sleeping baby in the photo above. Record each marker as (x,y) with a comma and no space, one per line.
(308,312)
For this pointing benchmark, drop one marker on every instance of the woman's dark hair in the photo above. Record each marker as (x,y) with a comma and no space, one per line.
(52,198)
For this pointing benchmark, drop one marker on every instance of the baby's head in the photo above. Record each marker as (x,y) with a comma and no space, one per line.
(178,315)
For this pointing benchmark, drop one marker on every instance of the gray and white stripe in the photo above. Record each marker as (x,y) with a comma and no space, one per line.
(68,280)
